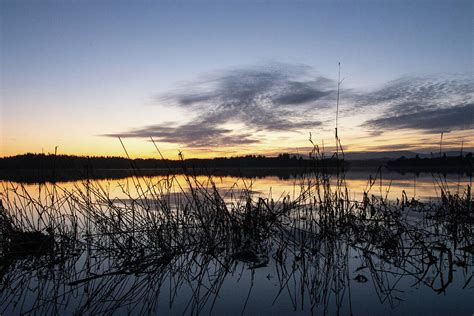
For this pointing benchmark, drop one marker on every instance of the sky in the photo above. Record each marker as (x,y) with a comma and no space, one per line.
(227,78)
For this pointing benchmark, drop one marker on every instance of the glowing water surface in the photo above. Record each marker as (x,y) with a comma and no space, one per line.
(388,184)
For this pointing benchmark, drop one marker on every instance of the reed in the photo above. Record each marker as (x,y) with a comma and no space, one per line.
(90,246)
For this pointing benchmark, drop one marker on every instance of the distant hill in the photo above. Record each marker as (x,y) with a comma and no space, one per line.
(50,161)
(388,155)
(51,168)
(379,155)
(42,161)
(444,163)
(398,154)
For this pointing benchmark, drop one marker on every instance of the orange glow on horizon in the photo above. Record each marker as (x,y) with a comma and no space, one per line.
(270,145)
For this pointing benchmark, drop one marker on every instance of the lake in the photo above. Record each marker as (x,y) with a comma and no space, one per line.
(302,244)
(279,182)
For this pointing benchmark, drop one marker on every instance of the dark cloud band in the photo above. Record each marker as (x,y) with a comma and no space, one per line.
(429,104)
(436,120)
(192,135)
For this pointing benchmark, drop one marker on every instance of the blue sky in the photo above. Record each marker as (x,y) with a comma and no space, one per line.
(101,65)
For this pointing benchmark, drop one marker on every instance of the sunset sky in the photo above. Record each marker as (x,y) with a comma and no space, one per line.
(223,78)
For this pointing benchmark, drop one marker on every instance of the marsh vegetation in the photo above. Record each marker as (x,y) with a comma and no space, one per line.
(169,246)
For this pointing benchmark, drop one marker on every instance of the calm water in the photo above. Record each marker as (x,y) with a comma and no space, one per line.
(431,274)
(389,184)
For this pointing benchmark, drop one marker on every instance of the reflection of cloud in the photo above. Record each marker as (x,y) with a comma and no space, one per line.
(275,97)
(427,104)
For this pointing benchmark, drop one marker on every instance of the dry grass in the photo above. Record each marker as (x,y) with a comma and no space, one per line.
(191,239)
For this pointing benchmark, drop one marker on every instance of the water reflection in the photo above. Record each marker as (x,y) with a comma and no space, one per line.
(230,246)
(390,184)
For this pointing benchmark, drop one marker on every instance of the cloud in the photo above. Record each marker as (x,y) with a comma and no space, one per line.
(435,121)
(392,147)
(274,97)
(429,104)
(282,97)
(277,84)
(297,92)
(414,92)
(192,135)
